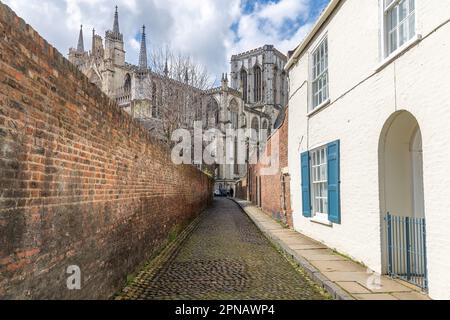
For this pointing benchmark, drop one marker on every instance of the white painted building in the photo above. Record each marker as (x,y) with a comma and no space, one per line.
(370,104)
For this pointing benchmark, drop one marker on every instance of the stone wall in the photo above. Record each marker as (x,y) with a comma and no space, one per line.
(81,183)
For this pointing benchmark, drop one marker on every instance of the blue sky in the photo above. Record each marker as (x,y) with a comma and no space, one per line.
(209,30)
(289,26)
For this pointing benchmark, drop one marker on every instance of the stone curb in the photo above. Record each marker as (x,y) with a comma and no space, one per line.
(333,289)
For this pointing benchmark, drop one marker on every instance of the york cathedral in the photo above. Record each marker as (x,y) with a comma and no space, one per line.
(254,95)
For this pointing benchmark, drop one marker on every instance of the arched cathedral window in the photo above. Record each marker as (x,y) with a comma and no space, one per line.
(244,82)
(200,109)
(258,83)
(244,120)
(127,84)
(234,114)
(266,130)
(212,112)
(275,85)
(255,129)
(217,114)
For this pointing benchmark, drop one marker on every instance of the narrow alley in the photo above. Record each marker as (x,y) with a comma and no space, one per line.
(225,257)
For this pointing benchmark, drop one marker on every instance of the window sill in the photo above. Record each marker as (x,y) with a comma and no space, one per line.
(319,108)
(394,55)
(321,221)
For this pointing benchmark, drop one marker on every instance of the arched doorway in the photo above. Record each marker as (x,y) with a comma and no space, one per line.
(402,200)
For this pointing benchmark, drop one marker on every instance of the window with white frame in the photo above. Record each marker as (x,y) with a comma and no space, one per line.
(319,183)
(320,74)
(400,23)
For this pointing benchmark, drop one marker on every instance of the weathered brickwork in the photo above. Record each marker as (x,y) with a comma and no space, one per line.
(80,182)
(270,192)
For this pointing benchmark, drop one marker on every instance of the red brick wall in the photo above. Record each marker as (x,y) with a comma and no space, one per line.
(80,182)
(272,199)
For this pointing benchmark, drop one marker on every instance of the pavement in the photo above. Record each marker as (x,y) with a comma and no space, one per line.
(341,277)
(222,256)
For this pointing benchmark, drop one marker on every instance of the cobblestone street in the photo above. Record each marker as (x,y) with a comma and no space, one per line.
(225,257)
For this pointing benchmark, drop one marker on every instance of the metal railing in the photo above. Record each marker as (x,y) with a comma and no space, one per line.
(406,249)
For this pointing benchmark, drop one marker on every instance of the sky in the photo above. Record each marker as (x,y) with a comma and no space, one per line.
(208,30)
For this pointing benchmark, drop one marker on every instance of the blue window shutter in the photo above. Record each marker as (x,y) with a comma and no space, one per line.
(306,185)
(334,180)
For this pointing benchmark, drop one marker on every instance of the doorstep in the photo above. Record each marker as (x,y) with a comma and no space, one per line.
(343,278)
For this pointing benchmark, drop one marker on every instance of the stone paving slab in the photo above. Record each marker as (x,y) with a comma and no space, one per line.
(309,253)
(319,249)
(341,277)
(388,285)
(371,296)
(325,257)
(353,287)
(410,296)
(361,277)
(336,266)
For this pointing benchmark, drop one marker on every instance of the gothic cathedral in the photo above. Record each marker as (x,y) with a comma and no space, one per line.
(254,97)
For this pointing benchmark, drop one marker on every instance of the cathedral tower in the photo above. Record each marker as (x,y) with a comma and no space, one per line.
(114,46)
(97,50)
(114,62)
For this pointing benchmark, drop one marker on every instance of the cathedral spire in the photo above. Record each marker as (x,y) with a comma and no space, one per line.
(80,47)
(116,21)
(143,52)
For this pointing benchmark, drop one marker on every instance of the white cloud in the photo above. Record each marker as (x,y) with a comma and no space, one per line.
(267,24)
(197,27)
(285,9)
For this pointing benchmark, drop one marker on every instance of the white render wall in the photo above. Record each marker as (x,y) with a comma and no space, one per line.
(363,98)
